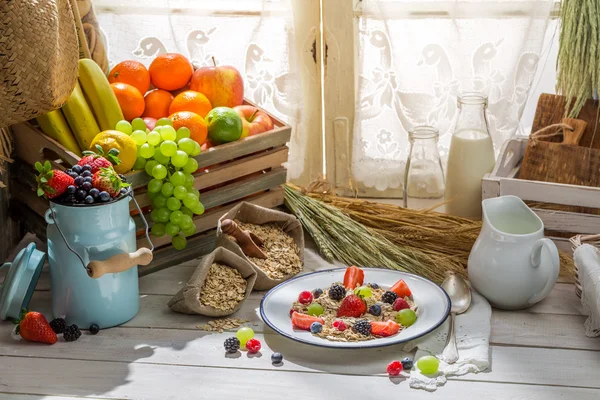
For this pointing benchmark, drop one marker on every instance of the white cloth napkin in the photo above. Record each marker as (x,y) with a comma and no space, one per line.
(587,259)
(472,341)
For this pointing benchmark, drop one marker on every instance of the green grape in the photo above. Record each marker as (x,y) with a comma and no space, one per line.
(176,217)
(139,137)
(189,231)
(159,201)
(191,166)
(159,172)
(363,291)
(167,189)
(177,178)
(179,242)
(406,317)
(428,364)
(186,145)
(189,181)
(172,229)
(180,159)
(140,163)
(124,126)
(149,166)
(186,222)
(146,151)
(199,209)
(168,148)
(195,191)
(197,150)
(187,211)
(168,133)
(173,204)
(161,158)
(153,138)
(152,195)
(154,214)
(182,133)
(163,215)
(164,122)
(179,192)
(190,201)
(244,334)
(315,309)
(154,186)
(138,124)
(158,229)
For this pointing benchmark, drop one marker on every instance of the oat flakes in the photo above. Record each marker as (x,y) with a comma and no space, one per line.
(220,325)
(224,288)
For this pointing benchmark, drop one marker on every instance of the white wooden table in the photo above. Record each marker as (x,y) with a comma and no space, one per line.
(540,353)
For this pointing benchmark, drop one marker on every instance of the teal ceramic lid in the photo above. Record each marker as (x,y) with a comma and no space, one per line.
(20,281)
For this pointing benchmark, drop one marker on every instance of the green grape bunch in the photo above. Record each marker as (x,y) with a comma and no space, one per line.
(167,156)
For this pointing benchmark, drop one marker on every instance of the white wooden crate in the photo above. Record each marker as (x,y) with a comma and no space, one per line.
(502,181)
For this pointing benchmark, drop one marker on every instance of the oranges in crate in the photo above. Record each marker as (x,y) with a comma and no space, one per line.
(131,72)
(157,102)
(130,100)
(191,101)
(170,71)
(194,122)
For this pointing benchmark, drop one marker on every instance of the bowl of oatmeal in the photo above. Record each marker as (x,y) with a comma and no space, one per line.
(355,308)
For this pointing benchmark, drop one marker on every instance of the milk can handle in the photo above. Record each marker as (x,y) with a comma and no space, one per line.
(122,262)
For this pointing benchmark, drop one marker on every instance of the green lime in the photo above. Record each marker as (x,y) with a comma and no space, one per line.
(224,125)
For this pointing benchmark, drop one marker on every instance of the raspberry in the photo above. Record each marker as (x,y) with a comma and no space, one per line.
(394,368)
(389,297)
(340,325)
(337,292)
(253,346)
(305,297)
(400,304)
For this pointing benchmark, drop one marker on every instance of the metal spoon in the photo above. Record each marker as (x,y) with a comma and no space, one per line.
(460,298)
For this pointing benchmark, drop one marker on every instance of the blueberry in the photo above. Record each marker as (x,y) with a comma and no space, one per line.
(86,173)
(276,358)
(94,193)
(104,196)
(86,186)
(407,363)
(71,189)
(374,285)
(81,194)
(87,167)
(94,329)
(73,174)
(77,169)
(79,181)
(88,179)
(89,199)
(375,310)
(316,327)
(124,190)
(317,293)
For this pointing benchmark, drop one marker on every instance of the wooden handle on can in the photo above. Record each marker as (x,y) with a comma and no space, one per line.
(119,263)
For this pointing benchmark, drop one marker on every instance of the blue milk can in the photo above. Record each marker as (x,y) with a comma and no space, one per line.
(93,262)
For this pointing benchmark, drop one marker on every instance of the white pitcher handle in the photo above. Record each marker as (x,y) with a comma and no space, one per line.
(550,270)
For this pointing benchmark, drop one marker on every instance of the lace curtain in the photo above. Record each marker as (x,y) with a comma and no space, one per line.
(255,36)
(414,63)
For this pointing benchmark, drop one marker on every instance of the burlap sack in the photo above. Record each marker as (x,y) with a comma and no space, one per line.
(187,300)
(250,213)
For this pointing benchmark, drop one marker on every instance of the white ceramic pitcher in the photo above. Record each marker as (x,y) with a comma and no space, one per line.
(512,264)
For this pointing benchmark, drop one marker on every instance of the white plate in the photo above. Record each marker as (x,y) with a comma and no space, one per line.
(432,300)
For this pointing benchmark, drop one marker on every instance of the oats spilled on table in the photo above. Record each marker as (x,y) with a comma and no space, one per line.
(224,288)
(219,325)
(282,253)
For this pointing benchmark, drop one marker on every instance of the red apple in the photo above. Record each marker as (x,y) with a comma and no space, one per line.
(254,121)
(222,85)
(150,122)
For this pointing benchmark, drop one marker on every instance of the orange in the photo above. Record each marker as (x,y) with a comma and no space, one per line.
(157,103)
(170,71)
(130,99)
(191,101)
(131,72)
(192,121)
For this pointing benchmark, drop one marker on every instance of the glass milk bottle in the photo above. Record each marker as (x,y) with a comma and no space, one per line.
(423,176)
(471,156)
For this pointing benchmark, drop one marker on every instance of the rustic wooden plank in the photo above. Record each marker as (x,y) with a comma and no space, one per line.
(571,195)
(12,396)
(32,145)
(147,381)
(564,221)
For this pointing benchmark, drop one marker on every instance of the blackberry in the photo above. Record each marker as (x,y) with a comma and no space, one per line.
(389,297)
(94,329)
(58,325)
(374,285)
(71,333)
(375,310)
(363,327)
(317,293)
(337,292)
(232,344)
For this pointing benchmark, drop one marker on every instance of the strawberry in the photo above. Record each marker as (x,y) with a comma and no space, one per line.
(51,182)
(303,321)
(401,289)
(384,328)
(98,159)
(353,277)
(34,327)
(106,179)
(352,306)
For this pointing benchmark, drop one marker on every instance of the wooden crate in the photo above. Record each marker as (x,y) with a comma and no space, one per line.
(559,224)
(246,170)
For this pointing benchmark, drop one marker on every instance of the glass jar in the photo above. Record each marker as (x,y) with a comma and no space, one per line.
(424,175)
(471,156)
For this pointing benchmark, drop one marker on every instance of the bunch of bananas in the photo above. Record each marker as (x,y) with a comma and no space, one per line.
(91,108)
